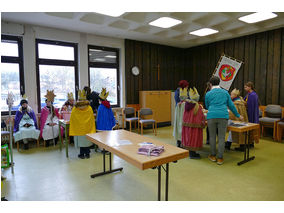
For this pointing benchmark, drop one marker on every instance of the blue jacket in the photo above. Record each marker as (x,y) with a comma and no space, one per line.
(217,102)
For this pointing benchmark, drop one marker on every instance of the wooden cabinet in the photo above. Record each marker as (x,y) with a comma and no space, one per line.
(159,102)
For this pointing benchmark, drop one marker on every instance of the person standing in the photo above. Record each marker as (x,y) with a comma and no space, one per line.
(252,109)
(181,94)
(217,102)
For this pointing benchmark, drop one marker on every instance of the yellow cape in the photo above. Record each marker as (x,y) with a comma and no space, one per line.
(82,121)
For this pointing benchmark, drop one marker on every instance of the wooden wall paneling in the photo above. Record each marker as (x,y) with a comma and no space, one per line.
(252,59)
(246,63)
(229,47)
(154,67)
(269,80)
(276,66)
(257,73)
(138,61)
(281,89)
(146,67)
(263,67)
(220,49)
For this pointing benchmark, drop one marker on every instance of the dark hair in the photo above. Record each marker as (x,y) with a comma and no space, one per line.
(214,80)
(183,84)
(250,84)
(23,101)
(87,90)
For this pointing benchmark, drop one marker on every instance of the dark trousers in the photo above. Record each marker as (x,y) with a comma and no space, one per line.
(84,150)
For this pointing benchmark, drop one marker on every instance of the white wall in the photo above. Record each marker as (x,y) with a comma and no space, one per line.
(30,33)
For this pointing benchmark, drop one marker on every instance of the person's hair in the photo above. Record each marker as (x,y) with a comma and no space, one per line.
(23,102)
(87,90)
(250,84)
(214,80)
(183,84)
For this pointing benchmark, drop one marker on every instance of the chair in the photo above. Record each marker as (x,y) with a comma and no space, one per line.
(145,116)
(271,115)
(280,129)
(129,115)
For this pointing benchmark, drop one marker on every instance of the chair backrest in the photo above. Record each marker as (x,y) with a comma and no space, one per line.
(273,111)
(146,111)
(129,110)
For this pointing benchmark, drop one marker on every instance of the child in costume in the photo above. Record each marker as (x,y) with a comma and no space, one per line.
(181,94)
(49,127)
(25,125)
(193,124)
(82,122)
(105,117)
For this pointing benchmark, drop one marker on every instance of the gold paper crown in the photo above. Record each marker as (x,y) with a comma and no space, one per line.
(193,94)
(50,95)
(183,92)
(82,95)
(25,97)
(70,96)
(104,94)
(236,92)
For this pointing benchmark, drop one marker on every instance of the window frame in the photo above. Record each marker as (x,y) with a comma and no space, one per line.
(15,60)
(56,62)
(106,65)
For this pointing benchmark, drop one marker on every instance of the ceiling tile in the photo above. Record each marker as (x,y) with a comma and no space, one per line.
(61,15)
(123,25)
(93,18)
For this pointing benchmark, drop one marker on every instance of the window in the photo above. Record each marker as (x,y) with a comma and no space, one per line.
(12,71)
(104,71)
(57,69)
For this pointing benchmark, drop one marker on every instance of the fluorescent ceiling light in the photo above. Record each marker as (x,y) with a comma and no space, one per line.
(112,13)
(100,59)
(257,17)
(165,22)
(110,56)
(95,50)
(204,32)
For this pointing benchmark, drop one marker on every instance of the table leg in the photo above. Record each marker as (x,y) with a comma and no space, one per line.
(166,183)
(60,137)
(159,183)
(246,153)
(104,167)
(66,141)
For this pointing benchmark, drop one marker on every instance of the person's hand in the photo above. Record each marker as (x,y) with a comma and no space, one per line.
(241,118)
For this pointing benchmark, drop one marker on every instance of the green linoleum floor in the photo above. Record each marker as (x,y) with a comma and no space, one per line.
(45,174)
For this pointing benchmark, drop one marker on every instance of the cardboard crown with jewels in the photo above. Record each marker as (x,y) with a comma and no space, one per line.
(82,99)
(236,92)
(193,94)
(104,94)
(70,96)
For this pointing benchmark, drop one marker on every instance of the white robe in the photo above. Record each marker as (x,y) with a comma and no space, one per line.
(47,130)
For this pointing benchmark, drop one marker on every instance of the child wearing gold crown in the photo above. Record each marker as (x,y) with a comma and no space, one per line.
(68,105)
(82,122)
(181,94)
(105,117)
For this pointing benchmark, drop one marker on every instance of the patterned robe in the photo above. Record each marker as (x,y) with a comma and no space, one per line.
(192,126)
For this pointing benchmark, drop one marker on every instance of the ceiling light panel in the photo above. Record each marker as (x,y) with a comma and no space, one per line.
(257,17)
(112,13)
(204,32)
(165,22)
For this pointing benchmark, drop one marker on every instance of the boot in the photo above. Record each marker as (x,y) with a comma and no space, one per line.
(179,144)
(228,145)
(47,143)
(194,155)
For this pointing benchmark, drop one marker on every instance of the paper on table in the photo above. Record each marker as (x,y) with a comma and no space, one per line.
(124,142)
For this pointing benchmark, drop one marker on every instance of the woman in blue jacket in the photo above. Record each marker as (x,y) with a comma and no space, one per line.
(217,101)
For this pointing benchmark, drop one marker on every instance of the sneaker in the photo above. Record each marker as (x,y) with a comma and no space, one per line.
(212,158)
(81,156)
(220,161)
(87,156)
(194,156)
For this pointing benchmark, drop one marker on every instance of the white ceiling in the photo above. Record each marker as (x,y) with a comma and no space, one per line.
(134,25)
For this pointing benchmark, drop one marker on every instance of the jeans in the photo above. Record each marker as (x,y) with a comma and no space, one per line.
(219,124)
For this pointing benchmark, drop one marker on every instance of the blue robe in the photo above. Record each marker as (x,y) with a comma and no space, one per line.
(105,118)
